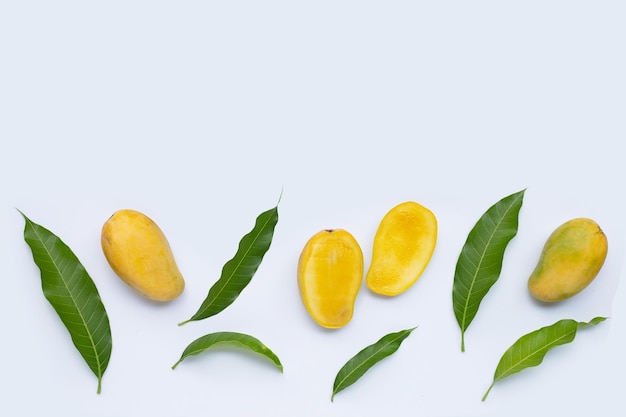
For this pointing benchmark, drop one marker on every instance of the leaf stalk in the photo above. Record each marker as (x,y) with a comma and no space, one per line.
(488,390)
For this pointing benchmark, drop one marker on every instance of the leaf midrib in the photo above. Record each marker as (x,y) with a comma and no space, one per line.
(482,257)
(216,341)
(546,347)
(360,365)
(230,277)
(80,314)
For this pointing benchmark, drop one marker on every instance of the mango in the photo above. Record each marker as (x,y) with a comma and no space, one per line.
(139,253)
(403,246)
(570,260)
(330,273)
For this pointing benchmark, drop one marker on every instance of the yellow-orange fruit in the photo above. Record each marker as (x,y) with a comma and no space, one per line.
(330,272)
(571,258)
(403,246)
(140,255)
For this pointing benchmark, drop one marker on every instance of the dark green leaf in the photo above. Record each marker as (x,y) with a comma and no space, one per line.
(238,272)
(480,262)
(530,349)
(73,294)
(356,367)
(229,338)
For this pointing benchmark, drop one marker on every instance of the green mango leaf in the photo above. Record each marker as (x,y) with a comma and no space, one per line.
(73,295)
(530,349)
(238,272)
(229,338)
(480,262)
(356,367)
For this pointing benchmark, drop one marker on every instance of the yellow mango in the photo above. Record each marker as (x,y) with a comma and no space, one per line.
(571,258)
(140,255)
(403,246)
(330,272)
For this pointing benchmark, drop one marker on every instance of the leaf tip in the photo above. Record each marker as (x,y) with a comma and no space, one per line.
(22,213)
(280,196)
(593,322)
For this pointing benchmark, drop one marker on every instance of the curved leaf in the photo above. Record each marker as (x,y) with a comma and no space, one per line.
(73,294)
(480,262)
(238,272)
(229,338)
(356,367)
(530,349)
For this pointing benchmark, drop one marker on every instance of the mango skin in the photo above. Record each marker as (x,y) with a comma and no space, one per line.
(330,273)
(139,253)
(403,246)
(571,258)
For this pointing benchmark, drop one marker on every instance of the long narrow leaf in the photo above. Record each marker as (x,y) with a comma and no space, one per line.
(530,349)
(73,295)
(480,262)
(238,272)
(359,364)
(229,338)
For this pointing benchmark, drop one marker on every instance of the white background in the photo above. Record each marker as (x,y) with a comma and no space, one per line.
(200,113)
